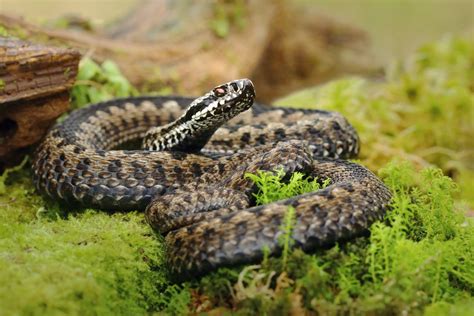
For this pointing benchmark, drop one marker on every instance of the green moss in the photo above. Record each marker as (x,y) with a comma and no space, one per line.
(83,263)
(270,186)
(419,258)
(55,260)
(422,112)
(175,299)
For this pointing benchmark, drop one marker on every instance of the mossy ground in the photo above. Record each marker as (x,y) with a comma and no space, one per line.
(418,260)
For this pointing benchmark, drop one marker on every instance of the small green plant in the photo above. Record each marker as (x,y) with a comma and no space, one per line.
(97,83)
(271,188)
(434,85)
(286,240)
(420,257)
(175,300)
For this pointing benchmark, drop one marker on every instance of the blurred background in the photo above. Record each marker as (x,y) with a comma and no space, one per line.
(395,27)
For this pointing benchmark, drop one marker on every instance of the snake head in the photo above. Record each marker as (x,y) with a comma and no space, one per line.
(223,102)
(202,118)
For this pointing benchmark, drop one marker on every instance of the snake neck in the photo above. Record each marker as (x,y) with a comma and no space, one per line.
(189,136)
(204,116)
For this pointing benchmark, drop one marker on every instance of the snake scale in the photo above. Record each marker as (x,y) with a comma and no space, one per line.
(189,178)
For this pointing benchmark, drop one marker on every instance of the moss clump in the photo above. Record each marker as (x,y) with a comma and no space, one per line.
(270,186)
(54,260)
(422,112)
(419,258)
(84,263)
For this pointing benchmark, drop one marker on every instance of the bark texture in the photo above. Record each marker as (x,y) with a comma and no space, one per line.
(34,84)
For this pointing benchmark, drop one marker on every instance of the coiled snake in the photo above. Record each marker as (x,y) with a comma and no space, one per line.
(191,181)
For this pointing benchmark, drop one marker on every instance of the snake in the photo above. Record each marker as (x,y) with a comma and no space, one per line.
(188,175)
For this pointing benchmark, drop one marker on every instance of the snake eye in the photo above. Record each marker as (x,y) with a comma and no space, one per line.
(219,92)
(235,86)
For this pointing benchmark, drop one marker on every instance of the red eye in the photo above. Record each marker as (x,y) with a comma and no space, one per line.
(219,92)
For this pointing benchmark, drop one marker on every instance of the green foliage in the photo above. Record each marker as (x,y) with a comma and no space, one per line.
(175,300)
(271,187)
(422,112)
(218,285)
(97,83)
(54,260)
(419,258)
(286,240)
(84,263)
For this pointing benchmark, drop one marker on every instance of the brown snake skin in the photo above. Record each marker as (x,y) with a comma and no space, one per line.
(200,200)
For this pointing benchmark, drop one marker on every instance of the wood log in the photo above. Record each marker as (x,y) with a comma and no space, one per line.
(34,84)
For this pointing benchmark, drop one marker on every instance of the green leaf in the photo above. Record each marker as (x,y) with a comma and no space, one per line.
(88,69)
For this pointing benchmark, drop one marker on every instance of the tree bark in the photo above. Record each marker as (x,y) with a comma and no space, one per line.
(34,84)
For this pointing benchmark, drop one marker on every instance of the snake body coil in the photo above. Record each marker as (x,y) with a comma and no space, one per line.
(191,182)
